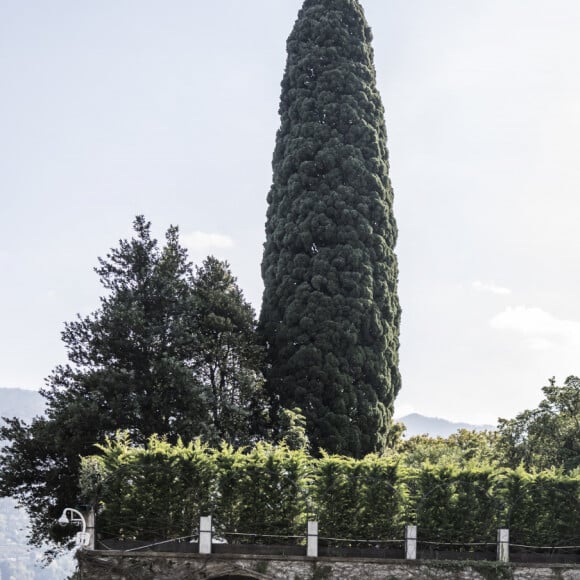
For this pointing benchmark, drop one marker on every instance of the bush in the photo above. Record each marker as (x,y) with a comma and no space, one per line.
(159,492)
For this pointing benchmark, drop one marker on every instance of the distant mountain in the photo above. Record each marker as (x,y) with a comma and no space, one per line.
(420,425)
(20,403)
(26,404)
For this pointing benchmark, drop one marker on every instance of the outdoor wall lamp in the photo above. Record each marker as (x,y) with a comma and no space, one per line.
(72,516)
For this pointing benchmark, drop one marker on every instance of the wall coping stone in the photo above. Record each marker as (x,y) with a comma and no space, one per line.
(328,559)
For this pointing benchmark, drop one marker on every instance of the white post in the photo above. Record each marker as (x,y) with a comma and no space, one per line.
(503,545)
(411,542)
(90,520)
(205,534)
(312,540)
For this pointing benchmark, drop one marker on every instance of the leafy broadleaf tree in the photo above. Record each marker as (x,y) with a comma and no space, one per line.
(548,436)
(463,449)
(330,313)
(139,364)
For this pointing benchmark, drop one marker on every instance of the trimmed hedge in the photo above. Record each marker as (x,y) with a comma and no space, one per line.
(159,492)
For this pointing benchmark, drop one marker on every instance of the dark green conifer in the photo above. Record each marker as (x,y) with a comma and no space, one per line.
(168,352)
(330,313)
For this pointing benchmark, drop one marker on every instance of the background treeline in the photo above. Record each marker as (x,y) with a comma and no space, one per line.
(158,491)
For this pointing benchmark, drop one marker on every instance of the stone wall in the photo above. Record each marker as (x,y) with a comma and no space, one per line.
(96,565)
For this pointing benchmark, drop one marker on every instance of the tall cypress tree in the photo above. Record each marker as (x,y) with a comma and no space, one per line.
(330,313)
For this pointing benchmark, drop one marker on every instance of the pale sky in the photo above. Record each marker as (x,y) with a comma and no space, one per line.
(118,107)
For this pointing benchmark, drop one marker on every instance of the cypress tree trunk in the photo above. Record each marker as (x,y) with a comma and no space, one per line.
(330,312)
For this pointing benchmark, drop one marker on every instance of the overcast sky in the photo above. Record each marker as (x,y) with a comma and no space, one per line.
(118,107)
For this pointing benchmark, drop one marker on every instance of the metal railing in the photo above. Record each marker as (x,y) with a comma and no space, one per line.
(204,540)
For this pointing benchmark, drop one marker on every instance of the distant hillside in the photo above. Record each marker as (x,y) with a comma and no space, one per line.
(17,559)
(20,403)
(419,425)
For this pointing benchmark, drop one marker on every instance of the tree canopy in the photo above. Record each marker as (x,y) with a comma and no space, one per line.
(461,449)
(548,436)
(330,312)
(170,351)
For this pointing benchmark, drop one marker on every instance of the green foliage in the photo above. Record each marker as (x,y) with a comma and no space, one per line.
(462,449)
(544,506)
(228,358)
(453,504)
(292,429)
(170,352)
(272,472)
(161,490)
(330,313)
(274,490)
(336,491)
(548,436)
(158,491)
(348,491)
